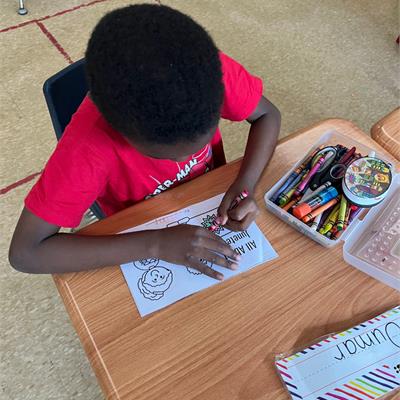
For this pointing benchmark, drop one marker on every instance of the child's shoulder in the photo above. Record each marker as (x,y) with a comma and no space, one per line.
(89,131)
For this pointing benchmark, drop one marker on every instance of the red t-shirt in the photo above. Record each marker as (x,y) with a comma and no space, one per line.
(92,161)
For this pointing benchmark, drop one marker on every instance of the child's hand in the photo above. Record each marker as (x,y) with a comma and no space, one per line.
(240,217)
(188,244)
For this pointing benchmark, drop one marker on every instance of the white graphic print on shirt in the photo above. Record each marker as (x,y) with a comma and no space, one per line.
(198,165)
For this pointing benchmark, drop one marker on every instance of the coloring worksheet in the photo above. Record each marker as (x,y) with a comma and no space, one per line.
(155,284)
(360,363)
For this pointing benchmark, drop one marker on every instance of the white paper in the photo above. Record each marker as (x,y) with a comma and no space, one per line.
(362,362)
(155,284)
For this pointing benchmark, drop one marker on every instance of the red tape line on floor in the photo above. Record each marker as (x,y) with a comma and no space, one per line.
(54,41)
(19,183)
(32,21)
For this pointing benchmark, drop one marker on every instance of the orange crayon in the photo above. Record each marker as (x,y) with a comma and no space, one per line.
(320,210)
(289,205)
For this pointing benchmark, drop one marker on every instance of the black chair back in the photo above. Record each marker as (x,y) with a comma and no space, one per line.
(64,92)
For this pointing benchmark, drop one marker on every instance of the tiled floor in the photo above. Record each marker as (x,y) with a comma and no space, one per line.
(318,59)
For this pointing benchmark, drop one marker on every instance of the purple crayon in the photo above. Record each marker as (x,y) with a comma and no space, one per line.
(299,190)
(294,174)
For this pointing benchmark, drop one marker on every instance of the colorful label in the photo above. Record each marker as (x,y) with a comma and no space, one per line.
(360,363)
(368,178)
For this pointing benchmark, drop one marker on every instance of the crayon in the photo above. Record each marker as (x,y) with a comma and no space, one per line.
(310,174)
(290,204)
(336,234)
(238,199)
(342,213)
(314,202)
(316,222)
(330,221)
(346,217)
(330,233)
(287,194)
(320,210)
(347,156)
(354,213)
(293,175)
(215,225)
(354,207)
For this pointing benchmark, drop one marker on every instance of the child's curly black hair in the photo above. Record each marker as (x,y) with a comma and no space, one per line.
(154,74)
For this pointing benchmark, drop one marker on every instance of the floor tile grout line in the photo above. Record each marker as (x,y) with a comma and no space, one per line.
(19,183)
(36,20)
(54,41)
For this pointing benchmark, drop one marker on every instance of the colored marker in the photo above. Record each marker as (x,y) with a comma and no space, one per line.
(312,172)
(320,210)
(309,193)
(215,225)
(293,175)
(314,202)
(330,221)
(342,213)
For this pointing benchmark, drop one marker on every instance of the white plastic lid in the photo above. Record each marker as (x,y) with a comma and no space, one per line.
(368,232)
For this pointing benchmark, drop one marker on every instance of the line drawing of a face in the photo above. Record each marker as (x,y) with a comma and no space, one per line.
(146,263)
(155,282)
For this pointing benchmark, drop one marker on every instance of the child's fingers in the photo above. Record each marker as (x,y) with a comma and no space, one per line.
(221,261)
(241,225)
(244,208)
(223,209)
(197,264)
(219,246)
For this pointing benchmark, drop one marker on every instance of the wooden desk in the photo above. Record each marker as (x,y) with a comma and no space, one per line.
(220,343)
(387,133)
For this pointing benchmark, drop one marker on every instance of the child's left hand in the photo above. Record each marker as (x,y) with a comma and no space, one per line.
(239,218)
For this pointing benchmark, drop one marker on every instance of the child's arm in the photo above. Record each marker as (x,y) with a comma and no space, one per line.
(265,124)
(37,247)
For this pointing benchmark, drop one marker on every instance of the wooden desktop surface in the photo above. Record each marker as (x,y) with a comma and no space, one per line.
(221,343)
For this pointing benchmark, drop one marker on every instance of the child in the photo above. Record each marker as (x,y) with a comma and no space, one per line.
(158,87)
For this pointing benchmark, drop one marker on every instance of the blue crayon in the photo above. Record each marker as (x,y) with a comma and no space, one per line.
(287,194)
(294,174)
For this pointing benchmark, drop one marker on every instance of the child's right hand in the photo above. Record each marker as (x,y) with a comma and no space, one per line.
(187,244)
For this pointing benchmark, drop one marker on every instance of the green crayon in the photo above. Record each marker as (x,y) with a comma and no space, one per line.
(287,194)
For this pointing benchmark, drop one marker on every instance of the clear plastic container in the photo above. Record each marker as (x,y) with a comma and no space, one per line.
(373,244)
(360,230)
(330,138)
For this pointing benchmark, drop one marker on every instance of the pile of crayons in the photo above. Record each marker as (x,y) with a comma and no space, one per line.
(313,191)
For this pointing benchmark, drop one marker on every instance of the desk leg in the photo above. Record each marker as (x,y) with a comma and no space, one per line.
(22,10)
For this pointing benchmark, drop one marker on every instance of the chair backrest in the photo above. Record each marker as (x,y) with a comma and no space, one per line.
(64,92)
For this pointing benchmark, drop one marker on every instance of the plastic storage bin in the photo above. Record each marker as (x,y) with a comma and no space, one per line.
(357,228)
(330,138)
